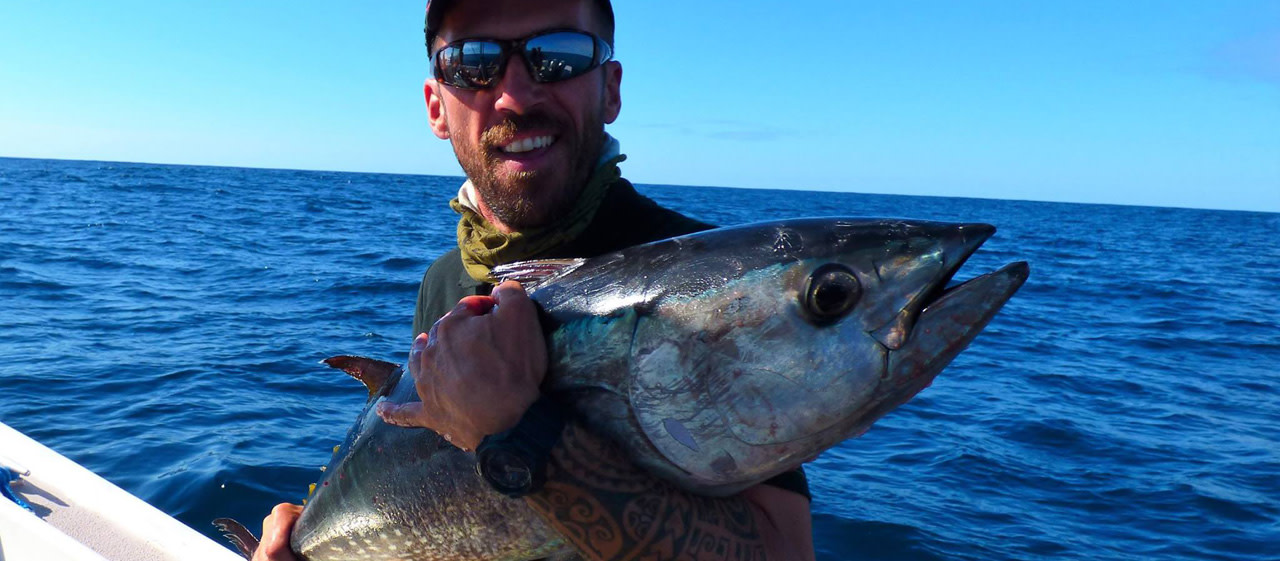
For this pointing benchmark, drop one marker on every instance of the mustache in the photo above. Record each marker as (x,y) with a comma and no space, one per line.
(502,133)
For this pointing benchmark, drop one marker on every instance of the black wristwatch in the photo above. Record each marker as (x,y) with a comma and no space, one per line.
(514,462)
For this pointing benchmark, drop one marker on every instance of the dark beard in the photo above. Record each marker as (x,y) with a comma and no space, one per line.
(512,201)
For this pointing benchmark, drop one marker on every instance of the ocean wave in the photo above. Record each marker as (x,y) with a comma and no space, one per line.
(1122,406)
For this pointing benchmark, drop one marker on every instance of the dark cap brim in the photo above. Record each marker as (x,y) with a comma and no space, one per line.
(435,16)
(436,9)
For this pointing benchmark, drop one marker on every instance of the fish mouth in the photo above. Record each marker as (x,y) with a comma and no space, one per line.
(945,327)
(948,317)
(943,319)
(928,280)
(959,311)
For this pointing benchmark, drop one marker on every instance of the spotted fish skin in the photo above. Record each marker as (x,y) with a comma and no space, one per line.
(702,355)
(394,493)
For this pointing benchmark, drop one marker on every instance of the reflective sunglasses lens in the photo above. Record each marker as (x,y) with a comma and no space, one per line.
(560,56)
(472,64)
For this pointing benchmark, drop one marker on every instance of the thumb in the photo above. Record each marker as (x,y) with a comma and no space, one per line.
(406,415)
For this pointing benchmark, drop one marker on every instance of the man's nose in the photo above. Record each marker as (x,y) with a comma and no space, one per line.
(517,92)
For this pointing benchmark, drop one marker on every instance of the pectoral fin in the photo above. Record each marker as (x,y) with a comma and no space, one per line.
(535,272)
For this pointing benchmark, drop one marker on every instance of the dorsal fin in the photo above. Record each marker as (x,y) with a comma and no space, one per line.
(533,273)
(373,372)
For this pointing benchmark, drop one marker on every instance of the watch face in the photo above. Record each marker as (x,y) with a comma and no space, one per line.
(507,470)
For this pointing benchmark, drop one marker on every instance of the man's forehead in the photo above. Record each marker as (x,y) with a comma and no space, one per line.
(510,19)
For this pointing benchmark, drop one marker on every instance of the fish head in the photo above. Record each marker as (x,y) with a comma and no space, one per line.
(884,311)
(796,335)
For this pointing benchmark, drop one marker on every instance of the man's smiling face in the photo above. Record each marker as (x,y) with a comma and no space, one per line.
(529,148)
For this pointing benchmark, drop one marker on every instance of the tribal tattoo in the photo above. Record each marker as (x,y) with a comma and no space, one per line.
(612,510)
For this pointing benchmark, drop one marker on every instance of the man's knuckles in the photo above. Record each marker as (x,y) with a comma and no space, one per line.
(473,306)
(284,509)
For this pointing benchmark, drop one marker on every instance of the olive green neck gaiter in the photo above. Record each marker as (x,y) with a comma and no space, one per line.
(484,247)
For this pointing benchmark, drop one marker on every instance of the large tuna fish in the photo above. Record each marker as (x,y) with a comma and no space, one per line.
(718,359)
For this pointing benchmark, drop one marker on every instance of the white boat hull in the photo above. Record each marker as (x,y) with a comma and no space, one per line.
(79,516)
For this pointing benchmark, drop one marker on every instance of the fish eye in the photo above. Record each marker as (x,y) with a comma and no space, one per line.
(831,291)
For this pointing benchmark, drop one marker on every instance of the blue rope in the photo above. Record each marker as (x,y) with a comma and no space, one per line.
(7,476)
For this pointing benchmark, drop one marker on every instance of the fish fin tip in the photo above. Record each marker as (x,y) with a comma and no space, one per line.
(238,535)
(373,373)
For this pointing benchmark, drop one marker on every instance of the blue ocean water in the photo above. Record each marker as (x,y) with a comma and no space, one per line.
(162,326)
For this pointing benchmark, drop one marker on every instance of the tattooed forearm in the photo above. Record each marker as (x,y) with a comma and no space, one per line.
(611,510)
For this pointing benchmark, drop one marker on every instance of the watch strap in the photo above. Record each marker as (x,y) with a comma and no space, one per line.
(514,461)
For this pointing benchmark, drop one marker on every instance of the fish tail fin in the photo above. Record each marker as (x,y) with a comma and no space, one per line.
(238,535)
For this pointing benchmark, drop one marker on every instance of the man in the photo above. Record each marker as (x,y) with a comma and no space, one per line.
(523,89)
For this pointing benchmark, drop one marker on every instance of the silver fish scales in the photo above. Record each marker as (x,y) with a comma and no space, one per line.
(718,359)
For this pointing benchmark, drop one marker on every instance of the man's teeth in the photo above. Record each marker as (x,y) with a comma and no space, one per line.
(527,144)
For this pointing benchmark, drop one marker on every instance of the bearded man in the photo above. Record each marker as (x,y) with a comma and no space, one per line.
(522,89)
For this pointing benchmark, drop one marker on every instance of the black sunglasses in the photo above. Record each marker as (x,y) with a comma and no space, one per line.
(550,56)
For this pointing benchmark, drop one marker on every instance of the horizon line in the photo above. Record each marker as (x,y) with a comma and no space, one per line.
(462,178)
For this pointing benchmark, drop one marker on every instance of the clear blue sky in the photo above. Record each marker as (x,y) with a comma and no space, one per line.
(1168,103)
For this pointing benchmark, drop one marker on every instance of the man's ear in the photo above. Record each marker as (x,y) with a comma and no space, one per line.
(435,108)
(612,90)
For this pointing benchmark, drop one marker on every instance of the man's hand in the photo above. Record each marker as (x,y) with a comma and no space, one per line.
(276,528)
(478,369)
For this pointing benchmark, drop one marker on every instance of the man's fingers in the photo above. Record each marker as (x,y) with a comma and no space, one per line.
(415,351)
(285,514)
(406,415)
(510,298)
(474,305)
(275,534)
(420,344)
(508,291)
(468,307)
